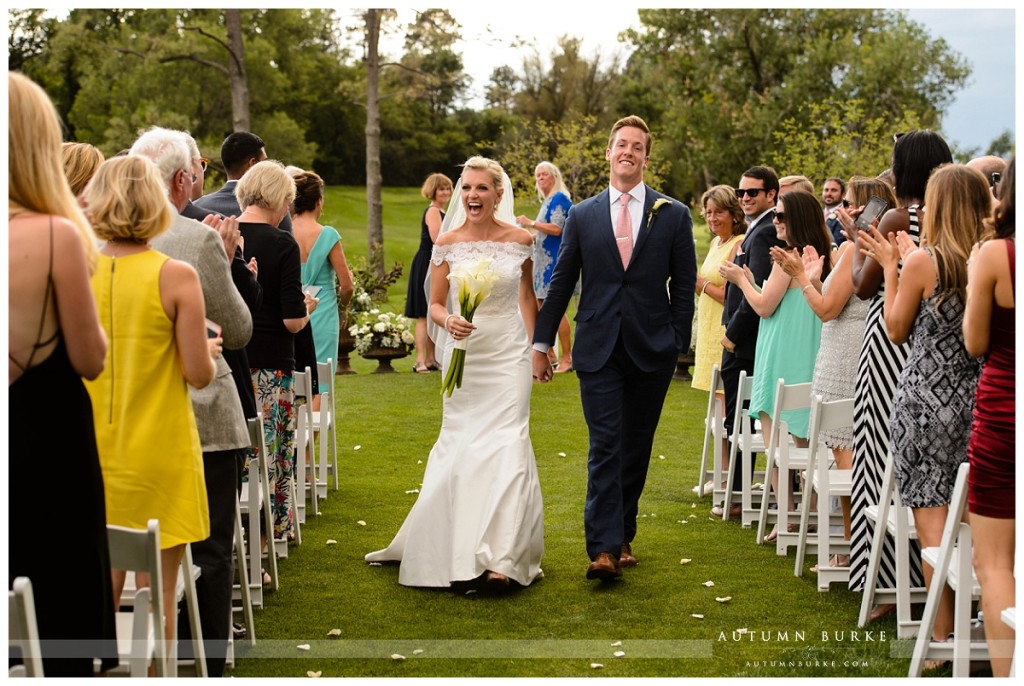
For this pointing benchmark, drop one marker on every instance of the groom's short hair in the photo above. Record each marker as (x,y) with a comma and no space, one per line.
(634,121)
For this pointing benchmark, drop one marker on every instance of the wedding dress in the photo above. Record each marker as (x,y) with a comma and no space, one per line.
(479,507)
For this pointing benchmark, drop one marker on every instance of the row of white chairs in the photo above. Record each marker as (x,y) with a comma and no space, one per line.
(822,483)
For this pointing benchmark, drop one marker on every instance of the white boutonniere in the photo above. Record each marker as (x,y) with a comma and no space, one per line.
(653,212)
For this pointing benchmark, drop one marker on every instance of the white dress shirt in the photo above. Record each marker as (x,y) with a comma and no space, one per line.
(638,193)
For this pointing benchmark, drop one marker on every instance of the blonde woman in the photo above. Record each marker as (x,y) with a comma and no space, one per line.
(554,210)
(81,161)
(153,311)
(54,339)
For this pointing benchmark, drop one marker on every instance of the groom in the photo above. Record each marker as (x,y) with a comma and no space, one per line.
(635,250)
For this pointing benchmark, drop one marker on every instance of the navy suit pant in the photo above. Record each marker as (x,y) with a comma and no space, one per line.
(622,405)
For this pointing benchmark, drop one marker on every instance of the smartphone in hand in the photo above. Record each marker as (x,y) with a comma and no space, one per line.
(213,329)
(872,211)
(311,291)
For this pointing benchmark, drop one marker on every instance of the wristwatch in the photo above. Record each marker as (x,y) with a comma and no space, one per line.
(533,224)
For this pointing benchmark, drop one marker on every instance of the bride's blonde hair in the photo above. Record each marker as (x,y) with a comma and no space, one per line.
(484,164)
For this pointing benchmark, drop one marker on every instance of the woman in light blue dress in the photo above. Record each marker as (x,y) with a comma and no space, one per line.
(323,266)
(547,240)
(790,332)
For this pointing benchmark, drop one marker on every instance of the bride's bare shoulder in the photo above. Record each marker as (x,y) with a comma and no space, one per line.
(450,237)
(515,234)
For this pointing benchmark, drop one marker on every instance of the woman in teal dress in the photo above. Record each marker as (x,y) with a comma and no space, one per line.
(323,267)
(790,332)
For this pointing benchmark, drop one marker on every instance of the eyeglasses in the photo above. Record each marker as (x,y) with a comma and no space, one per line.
(897,136)
(780,217)
(204,163)
(752,192)
(188,172)
(994,178)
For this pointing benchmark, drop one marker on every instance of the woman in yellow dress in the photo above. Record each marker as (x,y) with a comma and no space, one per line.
(152,309)
(725,220)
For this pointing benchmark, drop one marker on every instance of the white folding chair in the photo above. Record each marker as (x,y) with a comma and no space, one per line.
(951,564)
(305,466)
(1009,616)
(241,592)
(256,498)
(744,444)
(827,483)
(323,426)
(23,630)
(782,453)
(714,434)
(890,518)
(140,633)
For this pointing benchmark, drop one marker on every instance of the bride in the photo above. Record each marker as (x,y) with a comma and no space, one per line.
(479,511)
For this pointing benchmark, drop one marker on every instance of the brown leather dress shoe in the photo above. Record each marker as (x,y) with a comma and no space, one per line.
(604,567)
(626,558)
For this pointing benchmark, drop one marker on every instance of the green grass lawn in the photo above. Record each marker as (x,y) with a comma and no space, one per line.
(563,624)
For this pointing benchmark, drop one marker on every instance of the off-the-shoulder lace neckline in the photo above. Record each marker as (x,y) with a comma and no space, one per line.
(483,242)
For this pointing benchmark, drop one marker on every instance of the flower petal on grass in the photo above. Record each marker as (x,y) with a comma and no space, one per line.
(418,651)
(620,653)
(661,457)
(375,564)
(314,675)
(471,591)
(334,632)
(361,523)
(596,665)
(693,505)
(561,454)
(304,646)
(685,561)
(397,658)
(616,644)
(724,600)
(697,616)
(331,541)
(419,461)
(709,584)
(415,490)
(356,447)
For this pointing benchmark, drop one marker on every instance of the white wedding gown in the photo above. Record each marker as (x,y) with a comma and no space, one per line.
(479,507)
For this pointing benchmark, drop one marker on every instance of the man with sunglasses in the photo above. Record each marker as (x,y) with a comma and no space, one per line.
(991,167)
(757,192)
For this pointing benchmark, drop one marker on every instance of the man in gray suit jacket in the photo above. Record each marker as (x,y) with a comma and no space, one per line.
(634,248)
(222,428)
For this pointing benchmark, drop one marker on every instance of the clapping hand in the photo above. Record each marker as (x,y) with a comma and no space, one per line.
(813,263)
(789,260)
(905,244)
(882,249)
(732,272)
(228,229)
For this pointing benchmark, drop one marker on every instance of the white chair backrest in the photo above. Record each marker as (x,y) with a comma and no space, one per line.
(24,633)
(138,550)
(304,383)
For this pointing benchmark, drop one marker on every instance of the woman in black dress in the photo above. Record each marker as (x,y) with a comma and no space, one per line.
(438,190)
(55,338)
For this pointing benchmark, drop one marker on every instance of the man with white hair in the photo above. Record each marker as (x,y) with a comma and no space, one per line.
(222,429)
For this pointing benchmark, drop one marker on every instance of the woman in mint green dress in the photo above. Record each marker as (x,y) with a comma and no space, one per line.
(790,332)
(323,266)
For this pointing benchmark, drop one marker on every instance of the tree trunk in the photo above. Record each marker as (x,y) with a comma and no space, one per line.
(374,209)
(236,72)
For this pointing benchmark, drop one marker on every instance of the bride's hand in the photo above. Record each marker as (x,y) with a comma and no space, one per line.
(457,327)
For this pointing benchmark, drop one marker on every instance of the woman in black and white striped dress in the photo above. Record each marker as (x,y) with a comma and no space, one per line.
(914,156)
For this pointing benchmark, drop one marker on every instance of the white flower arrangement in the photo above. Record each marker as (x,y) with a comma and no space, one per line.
(374,328)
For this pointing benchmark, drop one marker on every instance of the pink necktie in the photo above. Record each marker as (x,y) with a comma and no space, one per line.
(624,230)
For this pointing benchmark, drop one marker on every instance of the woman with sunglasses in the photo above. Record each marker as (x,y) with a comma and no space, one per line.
(790,332)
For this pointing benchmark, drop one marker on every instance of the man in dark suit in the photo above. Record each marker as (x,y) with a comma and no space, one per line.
(635,250)
(758,192)
(239,151)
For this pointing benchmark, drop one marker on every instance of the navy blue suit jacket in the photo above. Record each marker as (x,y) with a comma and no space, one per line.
(649,304)
(741,322)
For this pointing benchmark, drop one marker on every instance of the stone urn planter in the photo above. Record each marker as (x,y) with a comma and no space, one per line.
(683,365)
(346,344)
(384,356)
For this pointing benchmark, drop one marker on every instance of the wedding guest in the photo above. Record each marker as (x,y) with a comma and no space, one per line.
(924,304)
(790,333)
(81,161)
(727,224)
(54,338)
(222,429)
(842,314)
(265,193)
(914,156)
(438,190)
(795,182)
(479,513)
(554,209)
(323,267)
(153,312)
(989,330)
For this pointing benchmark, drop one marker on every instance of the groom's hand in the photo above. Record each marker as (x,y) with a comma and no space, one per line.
(541,367)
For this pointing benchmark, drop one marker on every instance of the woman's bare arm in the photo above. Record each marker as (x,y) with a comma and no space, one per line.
(84,337)
(182,298)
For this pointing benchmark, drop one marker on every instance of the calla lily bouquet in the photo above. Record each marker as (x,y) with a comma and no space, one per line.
(472,283)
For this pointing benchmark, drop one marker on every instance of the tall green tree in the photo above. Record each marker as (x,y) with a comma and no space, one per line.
(721,81)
